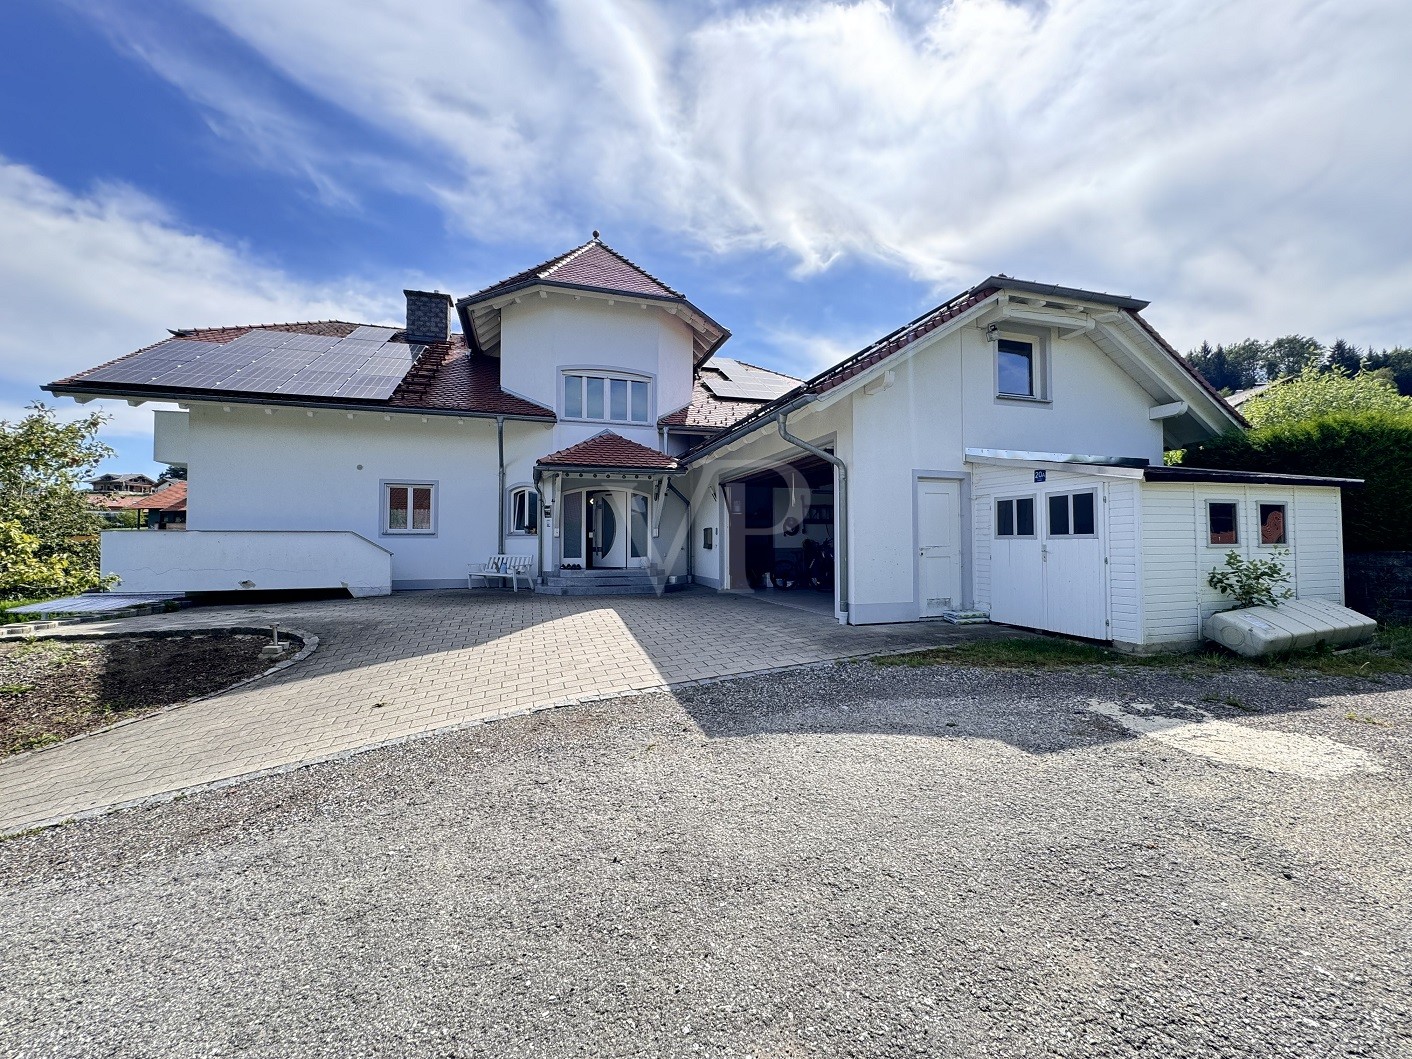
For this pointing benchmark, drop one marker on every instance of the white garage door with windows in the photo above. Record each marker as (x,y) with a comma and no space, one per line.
(1047,567)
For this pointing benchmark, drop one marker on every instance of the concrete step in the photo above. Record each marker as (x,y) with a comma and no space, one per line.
(644,588)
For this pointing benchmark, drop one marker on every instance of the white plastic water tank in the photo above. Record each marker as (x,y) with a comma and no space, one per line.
(1293,625)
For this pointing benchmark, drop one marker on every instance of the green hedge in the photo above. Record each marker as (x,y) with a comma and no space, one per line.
(1374,446)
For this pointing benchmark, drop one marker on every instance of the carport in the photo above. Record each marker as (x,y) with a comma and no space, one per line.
(780,533)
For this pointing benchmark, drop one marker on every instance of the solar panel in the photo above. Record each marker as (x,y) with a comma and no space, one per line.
(363,366)
(376,334)
(743,382)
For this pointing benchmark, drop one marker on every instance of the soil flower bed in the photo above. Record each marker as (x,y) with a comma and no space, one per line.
(52,689)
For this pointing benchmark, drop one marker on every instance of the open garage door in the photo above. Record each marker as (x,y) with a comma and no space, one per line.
(780,534)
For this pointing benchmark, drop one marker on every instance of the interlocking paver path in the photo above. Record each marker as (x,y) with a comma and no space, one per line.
(398,666)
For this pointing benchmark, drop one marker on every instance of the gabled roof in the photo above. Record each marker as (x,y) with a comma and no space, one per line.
(1124,308)
(609,451)
(441,377)
(592,268)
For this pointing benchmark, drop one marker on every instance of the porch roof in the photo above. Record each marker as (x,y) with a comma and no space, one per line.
(610,452)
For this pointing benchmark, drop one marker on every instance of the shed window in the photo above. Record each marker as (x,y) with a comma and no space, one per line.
(1015,368)
(1221,522)
(524,511)
(1015,518)
(1273,528)
(1072,514)
(408,507)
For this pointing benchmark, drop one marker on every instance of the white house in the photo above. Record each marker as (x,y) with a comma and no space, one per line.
(1001,453)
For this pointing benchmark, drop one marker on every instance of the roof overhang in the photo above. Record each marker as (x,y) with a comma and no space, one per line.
(1180,474)
(480,313)
(584,471)
(135,397)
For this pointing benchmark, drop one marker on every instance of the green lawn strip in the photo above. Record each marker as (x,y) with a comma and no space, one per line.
(1391,652)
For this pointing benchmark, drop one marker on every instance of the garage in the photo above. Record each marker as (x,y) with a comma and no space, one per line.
(780,533)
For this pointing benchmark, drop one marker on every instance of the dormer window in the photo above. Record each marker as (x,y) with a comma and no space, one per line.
(607,398)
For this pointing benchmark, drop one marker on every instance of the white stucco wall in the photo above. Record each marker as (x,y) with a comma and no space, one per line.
(941,402)
(254,560)
(291,470)
(543,337)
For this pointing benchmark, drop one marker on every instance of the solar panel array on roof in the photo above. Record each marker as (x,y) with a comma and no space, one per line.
(736,381)
(364,366)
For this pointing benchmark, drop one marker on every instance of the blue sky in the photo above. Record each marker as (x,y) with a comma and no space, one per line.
(811,174)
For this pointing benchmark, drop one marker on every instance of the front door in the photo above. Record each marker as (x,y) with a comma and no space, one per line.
(938,545)
(607,530)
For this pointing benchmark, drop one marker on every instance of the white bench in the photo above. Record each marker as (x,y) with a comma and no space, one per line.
(503,568)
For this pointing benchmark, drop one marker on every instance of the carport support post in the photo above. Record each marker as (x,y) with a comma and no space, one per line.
(500,446)
(840,506)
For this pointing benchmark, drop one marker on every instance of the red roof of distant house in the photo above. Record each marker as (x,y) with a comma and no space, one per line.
(172,497)
(610,451)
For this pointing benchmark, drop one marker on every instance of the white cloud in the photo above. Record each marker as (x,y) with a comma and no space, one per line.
(89,277)
(1241,162)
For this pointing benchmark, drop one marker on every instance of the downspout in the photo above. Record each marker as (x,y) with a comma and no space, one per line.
(690,539)
(841,506)
(500,445)
(539,537)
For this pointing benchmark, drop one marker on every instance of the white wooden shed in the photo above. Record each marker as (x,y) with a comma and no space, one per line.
(1112,550)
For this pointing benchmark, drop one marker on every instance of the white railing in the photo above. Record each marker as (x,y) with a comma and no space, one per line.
(231,560)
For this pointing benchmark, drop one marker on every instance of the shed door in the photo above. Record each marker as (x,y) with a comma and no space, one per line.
(1017,561)
(939,545)
(1075,576)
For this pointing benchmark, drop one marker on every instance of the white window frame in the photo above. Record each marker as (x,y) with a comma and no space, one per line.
(1234,503)
(1285,505)
(1039,366)
(531,496)
(1069,494)
(385,515)
(1017,535)
(609,377)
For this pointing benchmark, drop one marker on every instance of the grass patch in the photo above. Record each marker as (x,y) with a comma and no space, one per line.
(1390,653)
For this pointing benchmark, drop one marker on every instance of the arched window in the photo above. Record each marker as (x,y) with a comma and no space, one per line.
(524,511)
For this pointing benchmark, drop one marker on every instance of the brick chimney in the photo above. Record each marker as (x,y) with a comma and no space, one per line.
(428,316)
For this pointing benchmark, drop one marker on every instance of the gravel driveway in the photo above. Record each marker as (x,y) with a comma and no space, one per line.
(841,861)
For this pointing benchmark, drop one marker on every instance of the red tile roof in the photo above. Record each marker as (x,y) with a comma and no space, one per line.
(591,265)
(709,413)
(449,376)
(610,450)
(170,498)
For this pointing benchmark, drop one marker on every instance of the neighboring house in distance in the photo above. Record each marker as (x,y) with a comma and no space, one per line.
(123,483)
(1002,452)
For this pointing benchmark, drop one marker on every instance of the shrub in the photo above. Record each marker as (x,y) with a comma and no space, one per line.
(1374,446)
(1253,582)
(1314,393)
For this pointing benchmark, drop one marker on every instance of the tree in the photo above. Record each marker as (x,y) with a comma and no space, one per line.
(1344,357)
(173,473)
(1247,363)
(1290,355)
(48,529)
(1313,394)
(1397,362)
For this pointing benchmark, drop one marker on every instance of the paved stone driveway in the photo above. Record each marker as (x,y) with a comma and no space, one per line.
(399,666)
